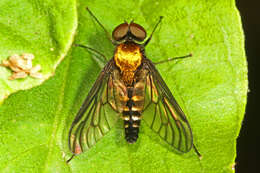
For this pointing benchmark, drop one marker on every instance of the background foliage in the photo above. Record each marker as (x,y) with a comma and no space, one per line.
(36,27)
(211,87)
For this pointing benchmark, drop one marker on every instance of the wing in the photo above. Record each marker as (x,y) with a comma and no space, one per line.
(163,114)
(94,118)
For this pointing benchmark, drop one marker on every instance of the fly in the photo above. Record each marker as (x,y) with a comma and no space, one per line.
(130,87)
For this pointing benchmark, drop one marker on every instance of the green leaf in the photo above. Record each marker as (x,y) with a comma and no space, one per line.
(211,86)
(44,28)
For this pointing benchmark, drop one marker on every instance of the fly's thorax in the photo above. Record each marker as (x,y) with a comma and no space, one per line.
(128,58)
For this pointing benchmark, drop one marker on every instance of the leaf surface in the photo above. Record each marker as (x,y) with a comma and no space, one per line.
(211,87)
(44,28)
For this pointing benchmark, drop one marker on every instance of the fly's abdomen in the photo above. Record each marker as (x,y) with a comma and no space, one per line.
(132,111)
(132,121)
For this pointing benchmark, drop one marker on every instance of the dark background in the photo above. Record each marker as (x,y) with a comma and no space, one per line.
(246,147)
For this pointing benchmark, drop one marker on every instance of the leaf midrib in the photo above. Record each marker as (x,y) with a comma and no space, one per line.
(58,114)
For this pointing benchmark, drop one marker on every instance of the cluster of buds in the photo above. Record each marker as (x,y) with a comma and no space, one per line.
(21,65)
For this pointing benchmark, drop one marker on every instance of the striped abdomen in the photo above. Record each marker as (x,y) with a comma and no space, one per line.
(129,100)
(132,118)
(132,111)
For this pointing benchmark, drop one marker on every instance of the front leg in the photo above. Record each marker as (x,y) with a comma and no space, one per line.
(171,59)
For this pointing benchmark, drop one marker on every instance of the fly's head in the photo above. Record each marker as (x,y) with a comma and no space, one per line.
(128,55)
(129,32)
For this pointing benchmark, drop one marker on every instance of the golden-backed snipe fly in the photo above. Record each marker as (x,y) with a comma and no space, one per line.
(131,88)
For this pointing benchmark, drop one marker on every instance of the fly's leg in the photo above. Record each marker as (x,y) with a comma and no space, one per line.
(92,50)
(70,158)
(172,59)
(105,30)
(149,39)
(107,34)
(197,152)
(199,156)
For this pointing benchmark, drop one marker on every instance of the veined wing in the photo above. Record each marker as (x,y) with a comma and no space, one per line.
(94,118)
(163,114)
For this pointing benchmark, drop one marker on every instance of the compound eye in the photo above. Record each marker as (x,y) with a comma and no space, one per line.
(138,31)
(120,31)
